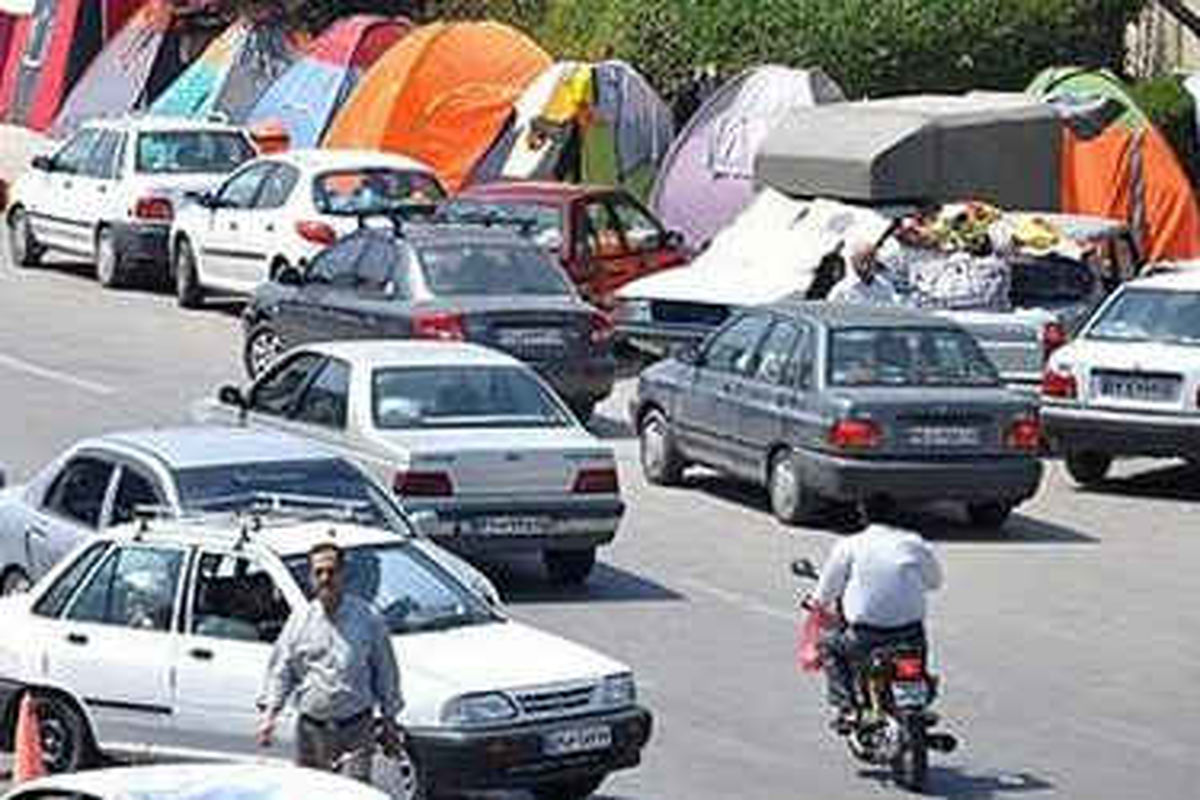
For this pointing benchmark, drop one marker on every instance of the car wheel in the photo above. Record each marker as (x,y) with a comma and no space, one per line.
(1087,466)
(66,745)
(109,264)
(661,462)
(263,346)
(989,515)
(568,790)
(188,292)
(583,409)
(15,581)
(26,252)
(569,566)
(791,502)
(398,776)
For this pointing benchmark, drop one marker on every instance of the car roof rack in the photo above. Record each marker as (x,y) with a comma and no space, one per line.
(399,217)
(487,218)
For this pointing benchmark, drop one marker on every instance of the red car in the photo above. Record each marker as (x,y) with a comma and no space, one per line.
(601,235)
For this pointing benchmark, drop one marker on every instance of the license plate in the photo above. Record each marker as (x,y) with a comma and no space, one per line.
(936,436)
(577,740)
(1139,387)
(511,525)
(907,694)
(531,337)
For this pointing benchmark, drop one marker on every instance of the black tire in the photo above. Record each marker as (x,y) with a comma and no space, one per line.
(583,408)
(911,767)
(662,463)
(24,248)
(568,790)
(791,502)
(262,346)
(15,580)
(110,265)
(188,292)
(66,740)
(989,515)
(569,567)
(1087,466)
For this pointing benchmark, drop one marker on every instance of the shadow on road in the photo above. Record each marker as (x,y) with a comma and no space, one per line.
(949,782)
(1174,482)
(142,284)
(522,580)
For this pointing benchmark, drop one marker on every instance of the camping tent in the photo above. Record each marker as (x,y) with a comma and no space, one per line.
(49,50)
(305,98)
(137,63)
(442,95)
(707,175)
(597,123)
(232,72)
(1117,164)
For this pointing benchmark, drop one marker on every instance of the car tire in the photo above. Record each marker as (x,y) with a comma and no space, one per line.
(262,346)
(569,567)
(662,464)
(583,409)
(400,777)
(990,515)
(576,789)
(24,248)
(1087,466)
(15,581)
(791,501)
(66,741)
(188,292)
(110,266)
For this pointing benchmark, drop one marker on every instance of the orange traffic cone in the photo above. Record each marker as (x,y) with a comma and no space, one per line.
(27,756)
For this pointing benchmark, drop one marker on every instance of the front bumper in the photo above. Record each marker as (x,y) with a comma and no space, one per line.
(1010,479)
(512,527)
(143,243)
(587,379)
(10,694)
(1122,433)
(513,757)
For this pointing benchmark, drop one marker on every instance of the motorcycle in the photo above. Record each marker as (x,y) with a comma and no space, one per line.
(893,693)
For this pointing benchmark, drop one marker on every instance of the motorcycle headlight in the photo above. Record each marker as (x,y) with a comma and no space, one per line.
(618,691)
(631,311)
(478,709)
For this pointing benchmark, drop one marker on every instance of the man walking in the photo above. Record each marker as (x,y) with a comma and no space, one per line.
(335,658)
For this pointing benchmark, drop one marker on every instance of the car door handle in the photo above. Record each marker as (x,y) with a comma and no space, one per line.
(233,226)
(102,189)
(33,530)
(270,227)
(728,387)
(77,638)
(201,653)
(67,184)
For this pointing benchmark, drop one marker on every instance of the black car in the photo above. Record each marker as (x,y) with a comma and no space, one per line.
(439,281)
(842,402)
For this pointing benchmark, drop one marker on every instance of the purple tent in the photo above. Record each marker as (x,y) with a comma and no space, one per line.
(708,174)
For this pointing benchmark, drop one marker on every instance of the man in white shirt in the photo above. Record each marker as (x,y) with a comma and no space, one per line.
(862,283)
(876,581)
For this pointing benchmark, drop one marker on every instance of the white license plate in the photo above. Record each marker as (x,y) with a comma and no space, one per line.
(907,694)
(511,525)
(531,337)
(937,436)
(1137,387)
(577,740)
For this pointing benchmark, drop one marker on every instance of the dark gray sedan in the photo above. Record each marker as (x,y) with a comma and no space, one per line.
(845,403)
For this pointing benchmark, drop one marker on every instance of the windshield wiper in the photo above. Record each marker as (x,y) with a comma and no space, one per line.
(447,622)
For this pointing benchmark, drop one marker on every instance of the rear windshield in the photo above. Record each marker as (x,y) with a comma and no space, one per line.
(178,152)
(907,357)
(455,397)
(1150,315)
(1050,280)
(542,223)
(461,270)
(374,191)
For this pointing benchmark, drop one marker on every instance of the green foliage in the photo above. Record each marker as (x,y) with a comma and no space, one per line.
(1172,109)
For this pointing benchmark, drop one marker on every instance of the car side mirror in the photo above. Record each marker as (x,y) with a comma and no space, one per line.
(688,353)
(232,396)
(3,478)
(290,276)
(804,568)
(673,240)
(202,199)
(43,163)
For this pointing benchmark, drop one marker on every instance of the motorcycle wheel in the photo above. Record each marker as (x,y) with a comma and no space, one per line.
(912,765)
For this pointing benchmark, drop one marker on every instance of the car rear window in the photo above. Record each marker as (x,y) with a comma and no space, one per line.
(907,357)
(374,191)
(456,397)
(463,270)
(1050,280)
(1150,315)
(178,152)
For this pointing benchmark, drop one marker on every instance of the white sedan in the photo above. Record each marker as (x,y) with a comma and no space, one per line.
(478,448)
(279,211)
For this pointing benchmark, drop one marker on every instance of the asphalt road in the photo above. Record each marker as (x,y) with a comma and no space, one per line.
(1069,646)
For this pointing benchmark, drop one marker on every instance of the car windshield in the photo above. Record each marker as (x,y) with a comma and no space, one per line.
(542,223)
(374,191)
(1039,281)
(412,592)
(309,484)
(1149,315)
(192,151)
(907,357)
(463,397)
(480,269)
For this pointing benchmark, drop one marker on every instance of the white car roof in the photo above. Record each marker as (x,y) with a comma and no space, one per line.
(411,353)
(314,159)
(163,123)
(204,781)
(1180,277)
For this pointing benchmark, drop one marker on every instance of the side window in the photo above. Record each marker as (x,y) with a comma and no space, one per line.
(73,155)
(102,159)
(277,187)
(235,598)
(325,401)
(133,489)
(641,231)
(377,269)
(778,351)
(335,265)
(135,587)
(78,491)
(734,348)
(241,190)
(602,231)
(55,599)
(798,371)
(277,391)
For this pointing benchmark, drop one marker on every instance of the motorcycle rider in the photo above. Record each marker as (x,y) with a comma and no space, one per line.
(875,582)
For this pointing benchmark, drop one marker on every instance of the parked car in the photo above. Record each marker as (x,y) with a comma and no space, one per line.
(1129,384)
(475,445)
(283,209)
(825,402)
(194,782)
(154,638)
(600,235)
(110,192)
(441,282)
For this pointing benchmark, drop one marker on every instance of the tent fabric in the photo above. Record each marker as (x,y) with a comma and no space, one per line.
(136,64)
(706,177)
(304,99)
(232,73)
(442,95)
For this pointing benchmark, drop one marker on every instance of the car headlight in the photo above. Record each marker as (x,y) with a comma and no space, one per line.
(478,709)
(631,311)
(618,691)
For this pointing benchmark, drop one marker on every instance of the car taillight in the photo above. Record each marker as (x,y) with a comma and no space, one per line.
(602,480)
(443,325)
(855,434)
(1054,336)
(1059,384)
(908,668)
(156,209)
(601,328)
(1025,434)
(316,232)
(422,484)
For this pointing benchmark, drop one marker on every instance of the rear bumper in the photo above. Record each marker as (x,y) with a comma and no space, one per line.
(514,758)
(480,527)
(1009,480)
(1122,433)
(142,243)
(10,693)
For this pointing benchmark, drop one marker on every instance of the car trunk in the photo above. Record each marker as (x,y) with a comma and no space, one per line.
(1146,377)
(1012,341)
(533,329)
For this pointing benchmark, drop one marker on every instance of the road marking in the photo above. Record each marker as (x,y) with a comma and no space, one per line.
(54,375)
(740,600)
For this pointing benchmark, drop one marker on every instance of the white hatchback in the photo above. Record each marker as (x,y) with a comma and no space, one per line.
(279,211)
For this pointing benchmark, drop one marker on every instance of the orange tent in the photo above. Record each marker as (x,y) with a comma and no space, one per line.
(442,95)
